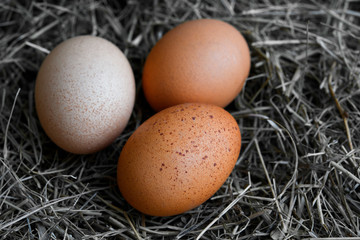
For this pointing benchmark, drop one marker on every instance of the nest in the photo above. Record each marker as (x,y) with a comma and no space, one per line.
(297,176)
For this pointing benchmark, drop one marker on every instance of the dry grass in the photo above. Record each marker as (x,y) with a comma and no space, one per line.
(298,174)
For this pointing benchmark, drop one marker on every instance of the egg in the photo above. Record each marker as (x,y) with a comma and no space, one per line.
(178,158)
(204,60)
(84,94)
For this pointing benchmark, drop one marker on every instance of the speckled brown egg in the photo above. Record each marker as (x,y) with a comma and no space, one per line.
(178,158)
(204,60)
(84,94)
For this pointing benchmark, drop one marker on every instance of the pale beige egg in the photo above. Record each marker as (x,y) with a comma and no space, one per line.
(84,94)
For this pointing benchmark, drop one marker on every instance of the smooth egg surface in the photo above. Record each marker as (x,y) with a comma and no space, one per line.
(204,60)
(84,94)
(178,158)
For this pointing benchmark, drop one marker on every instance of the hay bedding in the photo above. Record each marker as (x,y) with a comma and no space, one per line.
(298,173)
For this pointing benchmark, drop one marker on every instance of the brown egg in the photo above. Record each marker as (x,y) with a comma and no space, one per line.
(84,94)
(178,158)
(203,60)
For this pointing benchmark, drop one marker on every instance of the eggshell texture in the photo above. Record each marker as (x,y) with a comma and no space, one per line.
(84,94)
(178,158)
(203,60)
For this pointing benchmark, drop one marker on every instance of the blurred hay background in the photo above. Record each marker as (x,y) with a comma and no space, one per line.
(298,174)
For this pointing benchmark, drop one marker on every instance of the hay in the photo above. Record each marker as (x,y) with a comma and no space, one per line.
(298,174)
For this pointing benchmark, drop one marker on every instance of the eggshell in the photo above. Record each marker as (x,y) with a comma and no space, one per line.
(84,94)
(203,60)
(178,158)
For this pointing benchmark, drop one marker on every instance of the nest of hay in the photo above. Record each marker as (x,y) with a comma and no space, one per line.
(297,176)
